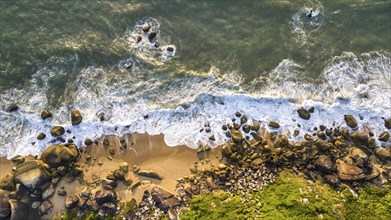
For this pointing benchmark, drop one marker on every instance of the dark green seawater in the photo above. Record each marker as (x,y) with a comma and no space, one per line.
(64,54)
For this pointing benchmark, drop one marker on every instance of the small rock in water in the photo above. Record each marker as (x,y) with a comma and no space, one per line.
(88,142)
(274,124)
(101,116)
(128,65)
(138,39)
(170,49)
(76,117)
(152,37)
(350,121)
(46,114)
(146,28)
(385,136)
(57,131)
(13,107)
(387,123)
(304,114)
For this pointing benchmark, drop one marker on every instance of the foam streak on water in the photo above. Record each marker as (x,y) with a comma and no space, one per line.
(179,107)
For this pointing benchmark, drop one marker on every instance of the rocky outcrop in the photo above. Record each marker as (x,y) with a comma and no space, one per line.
(349,172)
(59,155)
(33,175)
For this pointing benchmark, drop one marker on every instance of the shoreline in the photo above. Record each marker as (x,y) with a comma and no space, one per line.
(105,176)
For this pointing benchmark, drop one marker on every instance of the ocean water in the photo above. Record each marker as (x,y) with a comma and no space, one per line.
(209,59)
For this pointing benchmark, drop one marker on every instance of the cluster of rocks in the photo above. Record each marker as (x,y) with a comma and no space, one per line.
(31,184)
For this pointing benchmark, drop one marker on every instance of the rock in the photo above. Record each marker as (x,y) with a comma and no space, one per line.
(108,207)
(92,205)
(281,141)
(256,126)
(13,107)
(246,128)
(111,150)
(224,127)
(387,123)
(60,155)
(138,39)
(383,154)
(41,136)
(46,114)
(5,207)
(257,162)
(150,174)
(61,192)
(222,166)
(227,151)
(33,175)
(212,138)
(136,169)
(124,167)
(35,204)
(238,114)
(243,119)
(102,196)
(88,142)
(360,138)
(372,173)
(350,121)
(48,193)
(101,116)
(8,182)
(152,37)
(146,28)
(164,199)
(311,109)
(385,136)
(18,210)
(128,181)
(172,214)
(324,164)
(236,126)
(237,136)
(45,208)
(323,145)
(18,159)
(349,172)
(304,114)
(57,131)
(76,117)
(358,155)
(119,174)
(71,201)
(274,124)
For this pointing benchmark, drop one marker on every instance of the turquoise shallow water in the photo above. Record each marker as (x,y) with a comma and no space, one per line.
(65,54)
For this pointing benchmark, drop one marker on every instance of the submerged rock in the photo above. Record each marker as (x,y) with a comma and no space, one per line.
(350,121)
(304,114)
(13,107)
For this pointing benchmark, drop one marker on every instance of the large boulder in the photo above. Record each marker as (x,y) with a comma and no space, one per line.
(57,131)
(164,199)
(350,121)
(33,175)
(102,196)
(5,207)
(59,155)
(76,117)
(324,164)
(349,172)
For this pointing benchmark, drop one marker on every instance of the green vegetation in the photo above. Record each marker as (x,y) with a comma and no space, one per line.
(70,215)
(292,197)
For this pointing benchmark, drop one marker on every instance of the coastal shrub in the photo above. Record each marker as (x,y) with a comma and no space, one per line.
(293,197)
(220,205)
